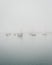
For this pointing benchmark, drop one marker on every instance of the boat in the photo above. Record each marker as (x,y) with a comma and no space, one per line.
(14,34)
(32,34)
(44,34)
(8,34)
(20,35)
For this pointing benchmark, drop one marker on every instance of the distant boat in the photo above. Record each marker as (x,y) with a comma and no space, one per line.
(8,34)
(44,34)
(14,34)
(32,34)
(20,34)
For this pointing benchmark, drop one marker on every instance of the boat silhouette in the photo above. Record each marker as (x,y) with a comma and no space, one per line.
(14,34)
(20,35)
(32,34)
(8,34)
(44,34)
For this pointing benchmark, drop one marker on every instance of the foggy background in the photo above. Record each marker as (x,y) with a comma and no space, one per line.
(28,15)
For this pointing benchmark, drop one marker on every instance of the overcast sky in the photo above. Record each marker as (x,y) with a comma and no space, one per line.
(25,15)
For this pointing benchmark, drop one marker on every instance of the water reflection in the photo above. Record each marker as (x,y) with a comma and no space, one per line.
(13,51)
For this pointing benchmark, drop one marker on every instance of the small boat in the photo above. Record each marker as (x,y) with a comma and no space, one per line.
(20,34)
(44,34)
(14,34)
(32,34)
(8,34)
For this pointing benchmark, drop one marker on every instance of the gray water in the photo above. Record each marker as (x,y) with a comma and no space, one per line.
(26,51)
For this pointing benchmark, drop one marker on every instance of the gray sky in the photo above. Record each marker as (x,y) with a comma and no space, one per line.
(25,15)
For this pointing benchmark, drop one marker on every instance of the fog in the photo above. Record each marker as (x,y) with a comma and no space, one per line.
(29,15)
(25,16)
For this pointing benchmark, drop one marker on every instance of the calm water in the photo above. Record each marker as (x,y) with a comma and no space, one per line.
(26,51)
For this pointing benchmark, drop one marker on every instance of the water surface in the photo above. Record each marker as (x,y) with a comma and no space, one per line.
(28,50)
